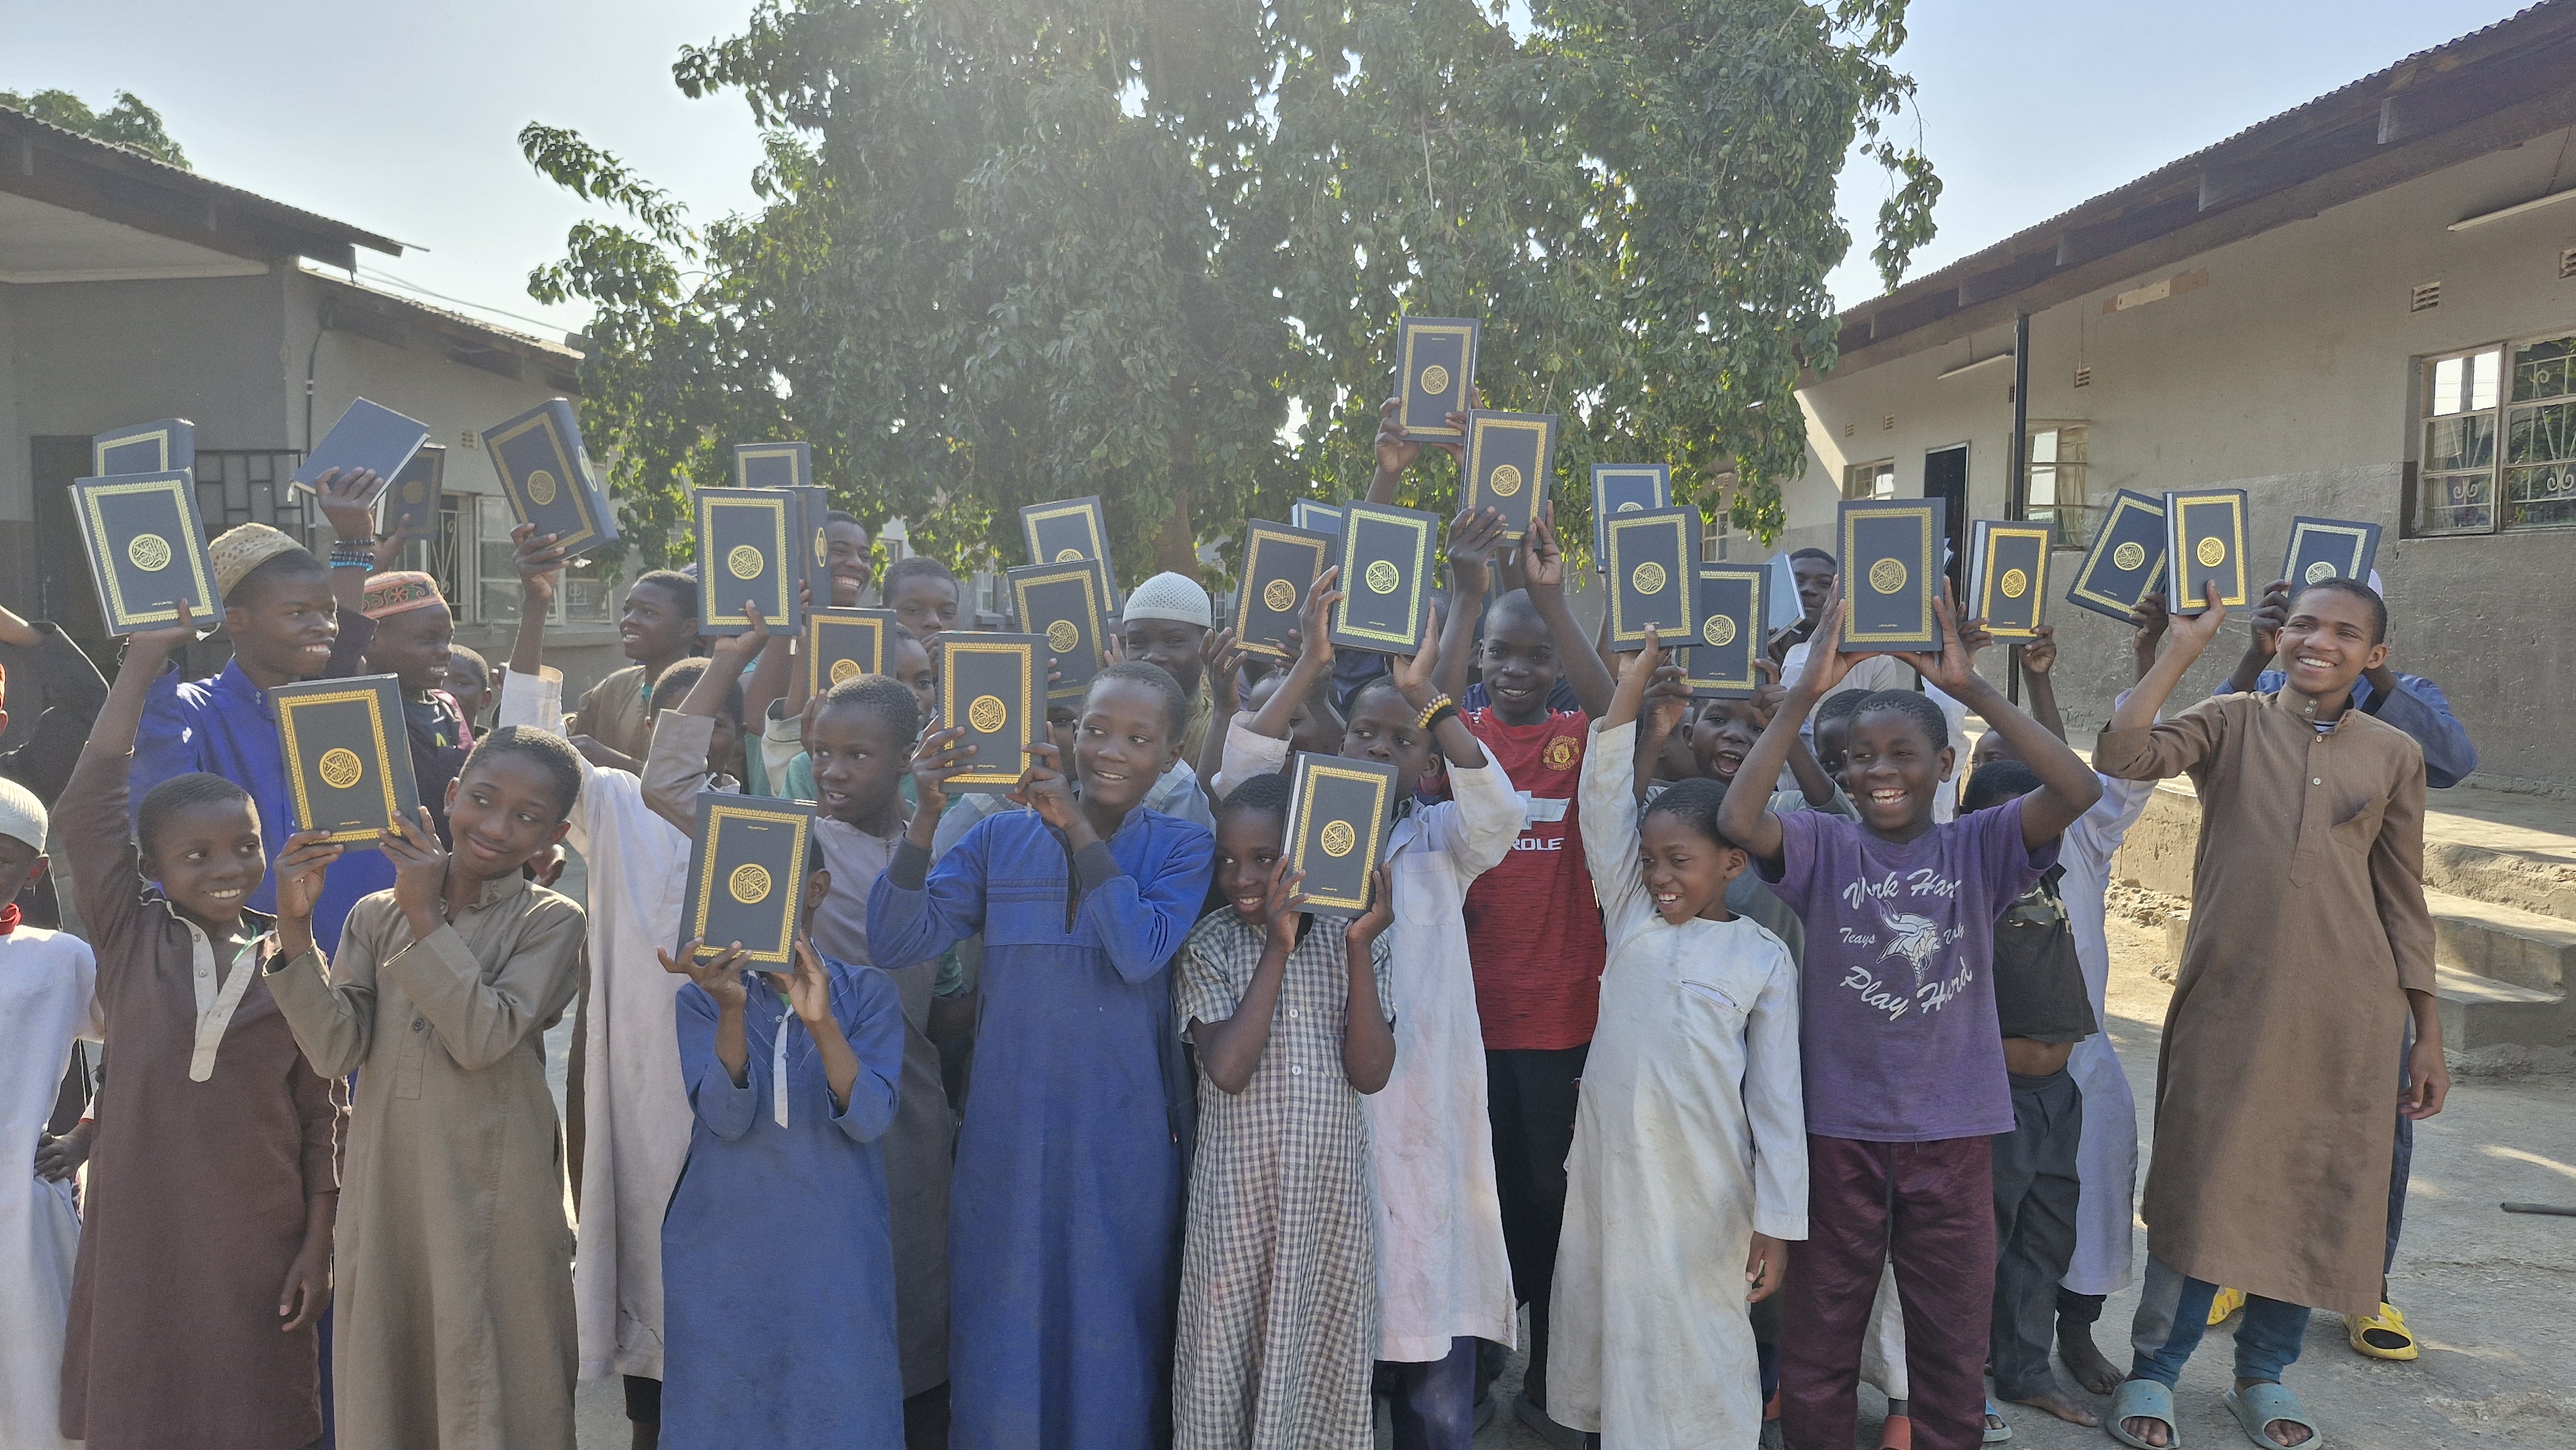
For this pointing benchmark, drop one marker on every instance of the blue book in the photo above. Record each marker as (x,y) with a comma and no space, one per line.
(2127,560)
(2322,549)
(1892,573)
(368,435)
(164,445)
(1626,488)
(546,475)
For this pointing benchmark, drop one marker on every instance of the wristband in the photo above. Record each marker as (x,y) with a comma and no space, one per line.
(1438,703)
(1443,710)
(339,563)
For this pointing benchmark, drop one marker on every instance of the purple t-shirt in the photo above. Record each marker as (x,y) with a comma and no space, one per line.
(1896,1012)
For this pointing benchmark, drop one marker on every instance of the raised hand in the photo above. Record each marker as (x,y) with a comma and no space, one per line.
(940,757)
(348,500)
(719,976)
(1395,452)
(2193,632)
(2039,656)
(540,562)
(1369,925)
(1283,904)
(160,643)
(1827,665)
(1221,660)
(1954,670)
(1413,673)
(1315,619)
(2148,622)
(1767,700)
(420,871)
(2269,616)
(1044,788)
(742,648)
(809,992)
(1542,562)
(1473,537)
(300,869)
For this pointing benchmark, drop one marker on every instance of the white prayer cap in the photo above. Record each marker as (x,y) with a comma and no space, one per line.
(1171,596)
(22,816)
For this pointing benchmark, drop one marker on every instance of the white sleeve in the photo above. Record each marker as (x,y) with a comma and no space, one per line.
(1246,755)
(1486,815)
(1775,1103)
(1609,797)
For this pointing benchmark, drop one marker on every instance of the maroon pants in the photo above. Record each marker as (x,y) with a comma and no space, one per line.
(1930,1207)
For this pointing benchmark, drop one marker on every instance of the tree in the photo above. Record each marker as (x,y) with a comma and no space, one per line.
(1154,249)
(129,123)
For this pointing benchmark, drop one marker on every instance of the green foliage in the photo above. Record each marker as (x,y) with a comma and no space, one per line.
(129,123)
(1155,249)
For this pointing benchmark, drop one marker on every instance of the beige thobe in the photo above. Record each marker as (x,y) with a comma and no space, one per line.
(454,1319)
(2276,1094)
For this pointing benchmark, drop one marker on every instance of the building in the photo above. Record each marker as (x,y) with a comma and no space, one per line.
(132,290)
(2363,308)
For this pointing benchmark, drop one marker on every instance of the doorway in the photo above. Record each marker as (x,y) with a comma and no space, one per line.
(1945,477)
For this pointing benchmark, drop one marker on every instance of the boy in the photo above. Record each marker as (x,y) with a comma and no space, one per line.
(923,595)
(455,1322)
(859,742)
(469,683)
(658,628)
(1905,1083)
(849,554)
(414,640)
(1165,623)
(287,621)
(1533,928)
(1444,1275)
(47,985)
(2271,1163)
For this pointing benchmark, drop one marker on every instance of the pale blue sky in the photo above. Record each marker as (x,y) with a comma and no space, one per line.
(401,119)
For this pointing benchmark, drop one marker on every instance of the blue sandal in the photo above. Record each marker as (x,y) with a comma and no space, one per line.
(2144,1400)
(2001,1431)
(2259,1405)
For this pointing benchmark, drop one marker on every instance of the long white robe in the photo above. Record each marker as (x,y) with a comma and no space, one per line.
(1690,1138)
(635,1109)
(47,1000)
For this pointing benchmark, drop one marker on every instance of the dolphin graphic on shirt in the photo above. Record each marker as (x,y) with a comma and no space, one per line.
(1912,937)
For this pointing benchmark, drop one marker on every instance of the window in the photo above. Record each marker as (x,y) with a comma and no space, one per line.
(489,575)
(1870,480)
(2054,475)
(2498,449)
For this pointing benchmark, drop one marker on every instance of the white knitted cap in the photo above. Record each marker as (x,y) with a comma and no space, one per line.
(1171,596)
(22,816)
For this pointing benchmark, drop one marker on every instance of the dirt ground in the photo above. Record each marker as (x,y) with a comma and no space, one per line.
(2487,1292)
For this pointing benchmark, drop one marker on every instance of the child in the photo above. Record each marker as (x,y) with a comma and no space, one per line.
(414,640)
(455,1322)
(1165,623)
(849,554)
(860,740)
(1689,1157)
(1533,928)
(47,982)
(780,1220)
(212,1188)
(1444,1277)
(284,616)
(469,684)
(658,628)
(1279,1314)
(1905,1085)
(923,595)
(2310,948)
(1066,1210)
(783,760)
(1833,732)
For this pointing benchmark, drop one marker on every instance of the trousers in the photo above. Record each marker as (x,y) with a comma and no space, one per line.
(1530,1097)
(2036,1191)
(2173,1314)
(1433,1404)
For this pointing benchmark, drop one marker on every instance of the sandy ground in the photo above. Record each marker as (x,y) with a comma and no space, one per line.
(2487,1292)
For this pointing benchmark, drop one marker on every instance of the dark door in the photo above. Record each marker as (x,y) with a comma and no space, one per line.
(1945,477)
(65,592)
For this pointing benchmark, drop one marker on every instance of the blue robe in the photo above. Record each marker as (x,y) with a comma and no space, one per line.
(777,1263)
(1065,1213)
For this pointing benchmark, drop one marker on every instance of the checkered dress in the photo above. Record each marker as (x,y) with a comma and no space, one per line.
(1278,1327)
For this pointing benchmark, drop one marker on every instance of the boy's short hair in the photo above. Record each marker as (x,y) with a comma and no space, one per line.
(1841,704)
(1176,705)
(682,677)
(912,567)
(838,517)
(1261,793)
(885,697)
(552,752)
(2358,590)
(1996,782)
(179,793)
(1918,709)
(481,665)
(678,585)
(1796,554)
(1695,803)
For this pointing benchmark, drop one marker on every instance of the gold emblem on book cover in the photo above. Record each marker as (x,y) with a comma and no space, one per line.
(1435,380)
(2211,553)
(340,768)
(743,562)
(2014,584)
(1649,578)
(1067,556)
(1279,596)
(1505,480)
(845,670)
(2129,557)
(988,714)
(1887,575)
(1382,576)
(1719,630)
(1337,839)
(541,488)
(749,883)
(2319,572)
(1062,636)
(150,553)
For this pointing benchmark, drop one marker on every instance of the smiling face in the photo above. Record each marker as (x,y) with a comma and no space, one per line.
(655,625)
(1519,659)
(924,604)
(1249,843)
(1891,772)
(1722,738)
(1686,873)
(1383,728)
(2330,637)
(1123,743)
(417,646)
(1815,582)
(1167,642)
(505,808)
(209,859)
(847,553)
(283,625)
(858,764)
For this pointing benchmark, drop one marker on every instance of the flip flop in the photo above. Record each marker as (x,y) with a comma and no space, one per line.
(2260,1405)
(2383,1335)
(1997,1434)
(1897,1433)
(2144,1400)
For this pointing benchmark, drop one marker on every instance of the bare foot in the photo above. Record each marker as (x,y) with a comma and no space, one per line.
(2091,1370)
(2279,1432)
(2058,1405)
(2151,1431)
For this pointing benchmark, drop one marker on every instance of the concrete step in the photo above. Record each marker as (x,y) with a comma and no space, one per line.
(2483,1012)
(2504,943)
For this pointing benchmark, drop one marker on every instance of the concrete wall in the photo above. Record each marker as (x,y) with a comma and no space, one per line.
(2291,374)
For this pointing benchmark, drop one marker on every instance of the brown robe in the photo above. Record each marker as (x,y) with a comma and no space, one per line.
(454,1322)
(197,1190)
(2276,1090)
(617,713)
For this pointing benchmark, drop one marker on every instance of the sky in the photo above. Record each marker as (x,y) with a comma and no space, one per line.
(402,119)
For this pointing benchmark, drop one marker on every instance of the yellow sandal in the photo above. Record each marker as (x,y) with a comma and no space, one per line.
(2383,1335)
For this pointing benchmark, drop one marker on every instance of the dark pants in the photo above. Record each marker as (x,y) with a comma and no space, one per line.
(2084,1309)
(1433,1403)
(2401,1166)
(1929,1208)
(2035,1193)
(925,1419)
(1530,1096)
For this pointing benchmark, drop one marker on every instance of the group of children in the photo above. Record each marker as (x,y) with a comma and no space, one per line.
(1707,1032)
